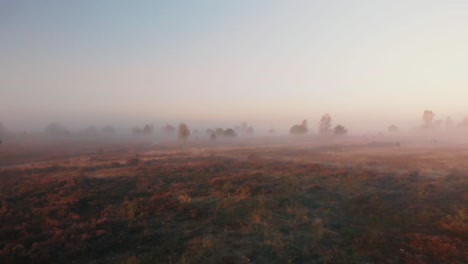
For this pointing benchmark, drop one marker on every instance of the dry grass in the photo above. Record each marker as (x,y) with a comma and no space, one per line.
(255,206)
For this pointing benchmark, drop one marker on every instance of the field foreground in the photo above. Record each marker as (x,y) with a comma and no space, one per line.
(244,205)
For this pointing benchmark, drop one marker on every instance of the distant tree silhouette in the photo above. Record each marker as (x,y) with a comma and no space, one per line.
(213,137)
(91,131)
(219,131)
(464,123)
(148,129)
(168,129)
(243,127)
(325,125)
(184,132)
(272,131)
(393,129)
(56,129)
(428,116)
(109,130)
(209,131)
(299,129)
(229,133)
(137,131)
(340,130)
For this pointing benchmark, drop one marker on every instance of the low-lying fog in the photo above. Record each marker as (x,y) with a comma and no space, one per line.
(325,130)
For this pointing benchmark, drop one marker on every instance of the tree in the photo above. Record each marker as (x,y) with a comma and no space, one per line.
(229,133)
(393,129)
(56,129)
(148,129)
(91,131)
(340,130)
(428,116)
(110,130)
(325,125)
(243,127)
(137,131)
(184,132)
(219,131)
(209,131)
(213,137)
(299,129)
(464,123)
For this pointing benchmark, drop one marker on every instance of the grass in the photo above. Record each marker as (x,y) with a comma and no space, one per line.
(199,209)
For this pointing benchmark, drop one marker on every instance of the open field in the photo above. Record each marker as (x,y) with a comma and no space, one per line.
(296,203)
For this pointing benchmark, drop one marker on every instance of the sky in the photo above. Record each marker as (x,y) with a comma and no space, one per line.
(368,63)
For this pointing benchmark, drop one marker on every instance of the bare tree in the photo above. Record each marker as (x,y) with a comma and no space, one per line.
(299,129)
(340,130)
(184,132)
(325,125)
(428,116)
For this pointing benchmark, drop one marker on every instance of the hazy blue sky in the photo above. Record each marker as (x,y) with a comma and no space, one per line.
(275,62)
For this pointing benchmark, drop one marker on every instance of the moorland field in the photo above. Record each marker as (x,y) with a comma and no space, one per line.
(235,203)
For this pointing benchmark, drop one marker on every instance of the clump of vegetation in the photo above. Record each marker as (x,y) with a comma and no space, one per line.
(340,130)
(299,129)
(229,133)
